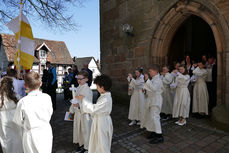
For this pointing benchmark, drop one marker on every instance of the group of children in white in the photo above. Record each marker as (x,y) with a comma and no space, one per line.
(153,93)
(25,121)
(93,127)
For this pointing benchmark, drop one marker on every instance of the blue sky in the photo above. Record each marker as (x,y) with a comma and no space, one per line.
(83,42)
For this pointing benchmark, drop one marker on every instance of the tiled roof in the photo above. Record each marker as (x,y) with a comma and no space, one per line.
(59,53)
(81,61)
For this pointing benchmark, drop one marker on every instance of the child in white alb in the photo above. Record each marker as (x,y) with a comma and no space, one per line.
(167,105)
(181,104)
(102,128)
(33,113)
(200,91)
(10,133)
(137,100)
(153,89)
(82,120)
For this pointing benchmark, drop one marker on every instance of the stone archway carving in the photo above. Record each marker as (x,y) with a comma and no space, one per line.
(173,19)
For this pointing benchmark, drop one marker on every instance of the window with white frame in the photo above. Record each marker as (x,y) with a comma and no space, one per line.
(43,54)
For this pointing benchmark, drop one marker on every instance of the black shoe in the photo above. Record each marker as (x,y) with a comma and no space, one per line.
(169,116)
(79,149)
(164,118)
(162,115)
(83,150)
(151,136)
(157,140)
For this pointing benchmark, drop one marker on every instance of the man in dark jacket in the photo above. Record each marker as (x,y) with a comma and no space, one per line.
(90,77)
(75,73)
(214,83)
(52,83)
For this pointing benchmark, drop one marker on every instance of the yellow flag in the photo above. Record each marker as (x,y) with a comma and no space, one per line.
(26,40)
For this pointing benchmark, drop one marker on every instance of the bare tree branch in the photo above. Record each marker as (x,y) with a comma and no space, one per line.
(54,13)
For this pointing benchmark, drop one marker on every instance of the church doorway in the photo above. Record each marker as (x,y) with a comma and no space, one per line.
(194,38)
(209,33)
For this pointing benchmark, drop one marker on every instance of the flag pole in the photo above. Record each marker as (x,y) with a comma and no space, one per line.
(19,42)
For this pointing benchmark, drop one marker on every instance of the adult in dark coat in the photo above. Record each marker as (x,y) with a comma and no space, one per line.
(214,84)
(52,83)
(188,64)
(211,81)
(90,77)
(44,79)
(75,73)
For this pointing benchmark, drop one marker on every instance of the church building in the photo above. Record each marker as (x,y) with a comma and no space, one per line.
(139,33)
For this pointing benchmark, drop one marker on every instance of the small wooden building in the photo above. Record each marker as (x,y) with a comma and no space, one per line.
(93,65)
(46,50)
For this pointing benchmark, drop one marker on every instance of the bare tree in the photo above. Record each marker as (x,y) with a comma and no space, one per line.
(54,13)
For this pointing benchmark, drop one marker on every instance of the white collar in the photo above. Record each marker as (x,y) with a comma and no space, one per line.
(83,85)
(34,92)
(155,76)
(106,93)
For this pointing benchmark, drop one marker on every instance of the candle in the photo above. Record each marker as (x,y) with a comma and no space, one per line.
(73,91)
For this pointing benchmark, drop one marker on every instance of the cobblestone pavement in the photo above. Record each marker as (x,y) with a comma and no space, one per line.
(198,136)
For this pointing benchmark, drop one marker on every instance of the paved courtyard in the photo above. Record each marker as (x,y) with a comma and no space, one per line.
(196,137)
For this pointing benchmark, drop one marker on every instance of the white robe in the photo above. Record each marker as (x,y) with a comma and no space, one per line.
(10,133)
(137,100)
(154,89)
(82,120)
(173,90)
(200,92)
(181,105)
(33,113)
(102,128)
(167,105)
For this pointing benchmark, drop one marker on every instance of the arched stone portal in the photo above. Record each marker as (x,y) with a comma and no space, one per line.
(166,30)
(194,38)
